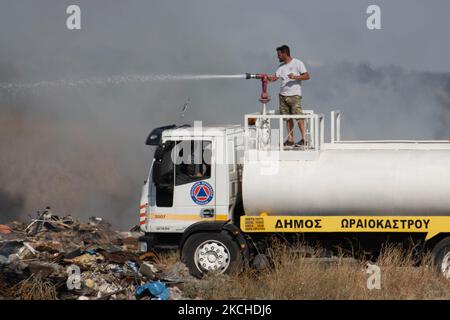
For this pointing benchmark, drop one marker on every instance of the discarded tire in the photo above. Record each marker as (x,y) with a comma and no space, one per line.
(211,252)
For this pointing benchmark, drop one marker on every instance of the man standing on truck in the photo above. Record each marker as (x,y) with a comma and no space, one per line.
(291,72)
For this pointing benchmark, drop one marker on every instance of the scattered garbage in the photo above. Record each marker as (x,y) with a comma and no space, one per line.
(133,266)
(176,293)
(53,257)
(156,289)
(176,273)
(4,229)
(148,270)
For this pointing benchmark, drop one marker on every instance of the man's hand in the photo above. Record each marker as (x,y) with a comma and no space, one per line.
(272,78)
(303,76)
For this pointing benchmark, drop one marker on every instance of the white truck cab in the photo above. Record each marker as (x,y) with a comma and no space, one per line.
(194,177)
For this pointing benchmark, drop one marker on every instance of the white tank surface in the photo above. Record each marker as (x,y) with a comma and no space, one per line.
(392,180)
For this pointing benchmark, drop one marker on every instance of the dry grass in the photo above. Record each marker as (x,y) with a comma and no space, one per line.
(294,276)
(35,288)
(165,259)
(5,291)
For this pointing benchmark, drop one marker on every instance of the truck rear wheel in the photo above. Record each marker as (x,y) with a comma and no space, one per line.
(441,257)
(211,252)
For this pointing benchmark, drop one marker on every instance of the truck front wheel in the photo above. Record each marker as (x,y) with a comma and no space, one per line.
(441,257)
(211,252)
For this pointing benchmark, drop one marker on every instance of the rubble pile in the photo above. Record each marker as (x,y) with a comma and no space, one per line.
(62,258)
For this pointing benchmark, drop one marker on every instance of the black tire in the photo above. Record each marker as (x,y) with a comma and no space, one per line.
(197,239)
(441,252)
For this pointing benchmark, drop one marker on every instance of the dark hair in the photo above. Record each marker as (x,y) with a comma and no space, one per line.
(284,49)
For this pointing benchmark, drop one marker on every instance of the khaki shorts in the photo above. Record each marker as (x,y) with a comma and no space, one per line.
(290,105)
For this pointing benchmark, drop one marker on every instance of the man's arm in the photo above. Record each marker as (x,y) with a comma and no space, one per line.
(272,78)
(303,76)
(303,73)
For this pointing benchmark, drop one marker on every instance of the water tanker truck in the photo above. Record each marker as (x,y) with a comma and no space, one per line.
(218,194)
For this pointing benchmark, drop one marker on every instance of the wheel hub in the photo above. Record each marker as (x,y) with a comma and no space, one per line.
(212,255)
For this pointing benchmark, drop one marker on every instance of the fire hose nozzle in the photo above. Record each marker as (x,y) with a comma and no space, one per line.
(264,80)
(260,76)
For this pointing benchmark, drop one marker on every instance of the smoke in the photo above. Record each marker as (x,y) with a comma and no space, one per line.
(68,148)
(80,149)
(77,144)
(384,102)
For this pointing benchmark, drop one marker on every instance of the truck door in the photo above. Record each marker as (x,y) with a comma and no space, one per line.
(195,182)
(161,189)
(183,189)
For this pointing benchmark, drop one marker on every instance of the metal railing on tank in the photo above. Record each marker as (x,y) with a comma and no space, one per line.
(267,132)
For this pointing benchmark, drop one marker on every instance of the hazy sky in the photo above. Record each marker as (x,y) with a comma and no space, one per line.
(219,36)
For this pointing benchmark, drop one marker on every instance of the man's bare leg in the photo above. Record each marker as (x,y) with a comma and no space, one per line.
(290,128)
(301,126)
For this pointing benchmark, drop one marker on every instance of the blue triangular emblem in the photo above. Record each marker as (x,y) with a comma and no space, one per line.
(201,192)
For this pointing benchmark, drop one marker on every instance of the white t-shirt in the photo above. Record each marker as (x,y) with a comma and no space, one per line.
(291,87)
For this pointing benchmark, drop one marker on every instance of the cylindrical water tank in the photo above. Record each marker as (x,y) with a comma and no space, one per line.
(351,182)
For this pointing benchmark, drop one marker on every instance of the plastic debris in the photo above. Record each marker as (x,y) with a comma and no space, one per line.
(86,260)
(4,229)
(156,289)
(91,251)
(133,266)
(10,247)
(148,270)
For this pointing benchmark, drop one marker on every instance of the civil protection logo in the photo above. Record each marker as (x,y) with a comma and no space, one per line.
(202,192)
